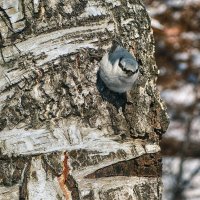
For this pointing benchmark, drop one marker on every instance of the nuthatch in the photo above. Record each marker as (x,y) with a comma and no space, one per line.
(119,70)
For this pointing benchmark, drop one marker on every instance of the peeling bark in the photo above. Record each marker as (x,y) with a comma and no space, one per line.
(52,101)
(63,177)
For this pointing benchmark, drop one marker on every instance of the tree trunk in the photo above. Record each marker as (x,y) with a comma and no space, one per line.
(64,135)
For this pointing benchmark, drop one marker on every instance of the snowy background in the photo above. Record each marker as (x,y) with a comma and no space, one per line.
(176,26)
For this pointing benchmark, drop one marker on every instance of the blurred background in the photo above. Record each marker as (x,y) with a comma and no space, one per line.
(176,26)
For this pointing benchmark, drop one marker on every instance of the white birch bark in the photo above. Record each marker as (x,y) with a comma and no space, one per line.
(63,135)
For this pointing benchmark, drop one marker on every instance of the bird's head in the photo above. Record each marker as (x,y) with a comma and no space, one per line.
(128,66)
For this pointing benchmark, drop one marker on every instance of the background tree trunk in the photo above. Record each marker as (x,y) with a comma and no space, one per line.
(63,134)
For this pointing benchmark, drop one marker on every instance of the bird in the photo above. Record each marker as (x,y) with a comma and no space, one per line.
(118,69)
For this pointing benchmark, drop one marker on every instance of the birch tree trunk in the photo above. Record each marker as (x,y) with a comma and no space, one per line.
(63,134)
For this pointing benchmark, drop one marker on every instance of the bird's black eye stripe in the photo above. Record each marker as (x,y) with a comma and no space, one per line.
(120,65)
(130,73)
(136,71)
(126,70)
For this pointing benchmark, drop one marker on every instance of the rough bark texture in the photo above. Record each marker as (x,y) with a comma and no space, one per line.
(64,135)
